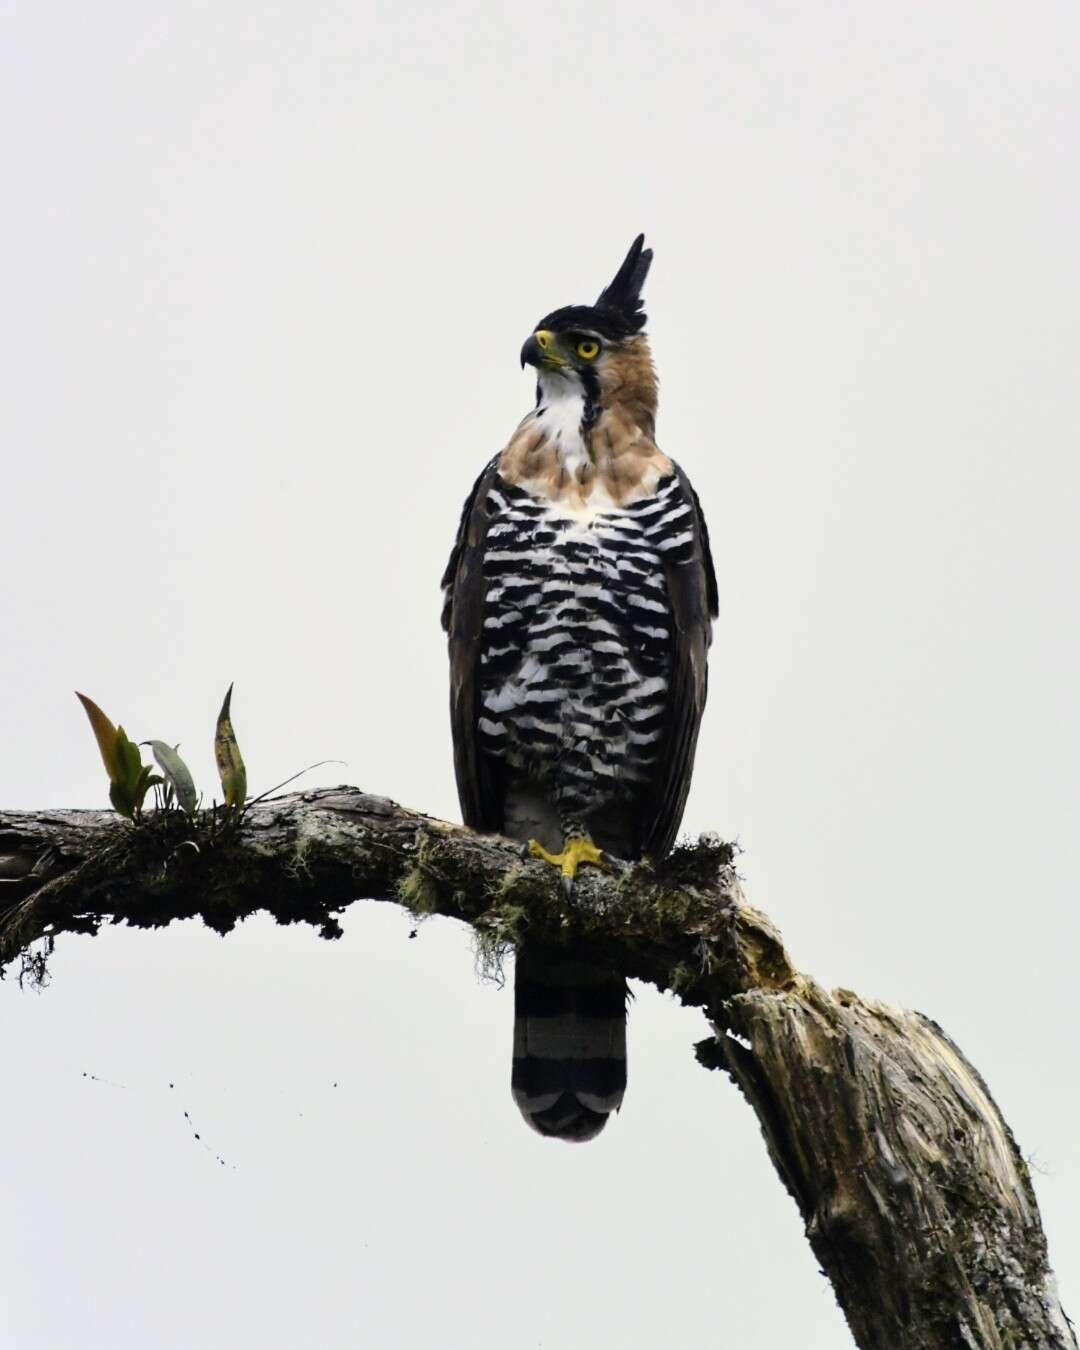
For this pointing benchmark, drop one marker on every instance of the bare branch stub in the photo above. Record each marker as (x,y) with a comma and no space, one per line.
(916,1200)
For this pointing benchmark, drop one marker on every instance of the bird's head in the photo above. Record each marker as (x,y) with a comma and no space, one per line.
(600,347)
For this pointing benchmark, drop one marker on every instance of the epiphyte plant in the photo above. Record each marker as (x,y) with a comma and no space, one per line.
(130,779)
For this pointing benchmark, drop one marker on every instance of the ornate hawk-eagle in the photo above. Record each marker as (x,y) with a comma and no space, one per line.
(579,598)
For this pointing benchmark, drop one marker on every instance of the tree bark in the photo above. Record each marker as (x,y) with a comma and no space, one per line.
(916,1200)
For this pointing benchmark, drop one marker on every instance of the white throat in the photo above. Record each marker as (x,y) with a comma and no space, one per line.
(558,415)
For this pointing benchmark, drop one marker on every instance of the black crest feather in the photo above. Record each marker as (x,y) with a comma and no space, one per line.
(619,311)
(623,293)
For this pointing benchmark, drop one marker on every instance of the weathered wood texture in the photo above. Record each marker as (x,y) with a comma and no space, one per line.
(917,1202)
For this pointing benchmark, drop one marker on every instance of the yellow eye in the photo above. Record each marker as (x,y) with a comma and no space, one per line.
(588,350)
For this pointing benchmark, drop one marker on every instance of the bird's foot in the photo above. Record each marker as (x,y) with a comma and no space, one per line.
(578,850)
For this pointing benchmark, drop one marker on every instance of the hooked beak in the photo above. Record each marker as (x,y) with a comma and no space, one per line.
(539,350)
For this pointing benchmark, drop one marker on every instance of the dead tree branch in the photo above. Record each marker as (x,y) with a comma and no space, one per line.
(916,1200)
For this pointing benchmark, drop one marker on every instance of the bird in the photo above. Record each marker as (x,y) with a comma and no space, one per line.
(578,602)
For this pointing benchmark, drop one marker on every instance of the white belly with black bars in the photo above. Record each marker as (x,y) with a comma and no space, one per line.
(576,652)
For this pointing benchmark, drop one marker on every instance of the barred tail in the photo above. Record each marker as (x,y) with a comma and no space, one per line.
(569,1069)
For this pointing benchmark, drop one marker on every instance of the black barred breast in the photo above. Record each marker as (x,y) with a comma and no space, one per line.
(576,650)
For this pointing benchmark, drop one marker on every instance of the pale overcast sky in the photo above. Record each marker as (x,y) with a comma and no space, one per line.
(267,269)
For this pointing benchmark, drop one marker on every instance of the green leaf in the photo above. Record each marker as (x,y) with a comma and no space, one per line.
(122,798)
(146,780)
(177,774)
(121,758)
(105,733)
(129,761)
(230,762)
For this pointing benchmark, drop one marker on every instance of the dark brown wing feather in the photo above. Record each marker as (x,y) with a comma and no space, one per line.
(692,593)
(479,790)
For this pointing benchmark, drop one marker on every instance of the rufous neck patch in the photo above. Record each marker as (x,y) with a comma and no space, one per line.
(610,464)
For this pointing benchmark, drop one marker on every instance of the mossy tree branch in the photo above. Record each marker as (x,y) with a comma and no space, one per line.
(916,1200)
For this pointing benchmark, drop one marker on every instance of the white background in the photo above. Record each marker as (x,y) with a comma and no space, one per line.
(266,273)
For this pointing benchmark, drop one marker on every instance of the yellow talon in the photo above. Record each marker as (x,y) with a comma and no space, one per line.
(576,852)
